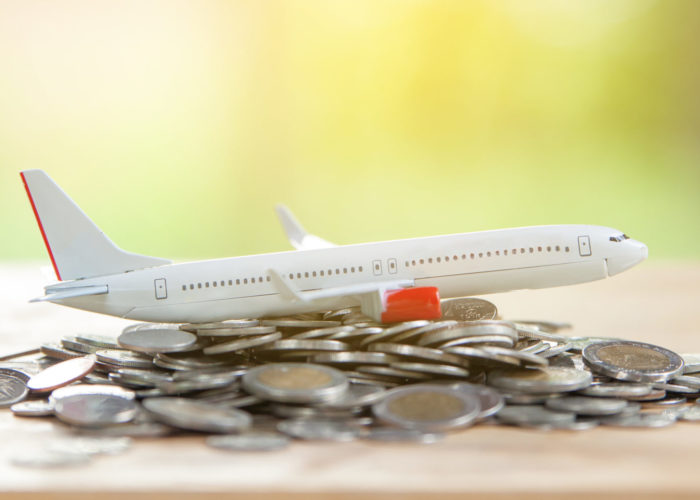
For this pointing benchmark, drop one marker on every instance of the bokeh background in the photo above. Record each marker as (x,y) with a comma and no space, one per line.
(177,125)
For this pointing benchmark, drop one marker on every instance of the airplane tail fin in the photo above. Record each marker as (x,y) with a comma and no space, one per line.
(76,246)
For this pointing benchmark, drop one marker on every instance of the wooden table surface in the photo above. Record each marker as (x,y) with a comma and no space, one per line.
(656,302)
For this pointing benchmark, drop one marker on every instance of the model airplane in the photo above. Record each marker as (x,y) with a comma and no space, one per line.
(391,280)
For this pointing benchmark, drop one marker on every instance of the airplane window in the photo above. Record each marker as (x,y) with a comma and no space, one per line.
(291,276)
(438,259)
(313,274)
(454,257)
(238,282)
(505,252)
(422,261)
(413,262)
(522,250)
(330,271)
(260,279)
(352,269)
(532,249)
(515,250)
(539,249)
(625,237)
(268,278)
(184,287)
(430,260)
(199,285)
(230,282)
(206,284)
(406,263)
(481,254)
(447,258)
(298,275)
(306,274)
(252,280)
(359,268)
(471,255)
(488,254)
(549,249)
(213,283)
(566,249)
(464,256)
(557,248)
(498,252)
(191,287)
(245,281)
(321,272)
(345,270)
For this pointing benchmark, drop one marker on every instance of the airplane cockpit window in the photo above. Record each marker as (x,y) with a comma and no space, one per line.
(620,237)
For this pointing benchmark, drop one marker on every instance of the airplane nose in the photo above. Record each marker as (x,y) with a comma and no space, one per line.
(633,252)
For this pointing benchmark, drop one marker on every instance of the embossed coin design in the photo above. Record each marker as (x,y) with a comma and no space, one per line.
(633,361)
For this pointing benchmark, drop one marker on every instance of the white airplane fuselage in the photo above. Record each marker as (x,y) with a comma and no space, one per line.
(458,265)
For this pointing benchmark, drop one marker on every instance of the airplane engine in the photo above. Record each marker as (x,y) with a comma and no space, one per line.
(407,304)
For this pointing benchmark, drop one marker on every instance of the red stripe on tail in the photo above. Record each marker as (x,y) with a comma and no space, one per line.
(41,227)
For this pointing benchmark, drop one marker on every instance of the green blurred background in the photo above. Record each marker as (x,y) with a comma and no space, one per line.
(177,125)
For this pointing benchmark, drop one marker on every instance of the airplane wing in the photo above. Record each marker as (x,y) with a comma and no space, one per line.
(69,292)
(296,234)
(385,301)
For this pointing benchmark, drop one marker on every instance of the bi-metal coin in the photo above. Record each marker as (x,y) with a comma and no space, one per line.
(427,407)
(634,361)
(295,382)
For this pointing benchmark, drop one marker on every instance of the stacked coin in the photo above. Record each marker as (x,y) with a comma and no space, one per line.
(340,376)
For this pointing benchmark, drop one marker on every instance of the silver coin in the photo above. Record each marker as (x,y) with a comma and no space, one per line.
(235,323)
(124,358)
(306,345)
(61,374)
(197,416)
(432,369)
(350,358)
(578,344)
(237,332)
(427,407)
(525,358)
(640,420)
(686,380)
(467,309)
(540,380)
(156,340)
(586,405)
(399,435)
(533,332)
(299,323)
(392,372)
(470,329)
(94,405)
(525,415)
(73,344)
(691,363)
(318,430)
(357,395)
(243,343)
(323,332)
(101,341)
(480,357)
(249,441)
(490,401)
(478,341)
(412,353)
(13,387)
(33,408)
(394,330)
(57,351)
(295,382)
(675,388)
(633,361)
(617,390)
(518,398)
(412,335)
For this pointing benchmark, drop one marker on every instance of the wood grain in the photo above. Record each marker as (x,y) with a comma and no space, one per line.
(657,302)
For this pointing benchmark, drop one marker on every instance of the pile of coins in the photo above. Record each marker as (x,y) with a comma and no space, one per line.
(257,384)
